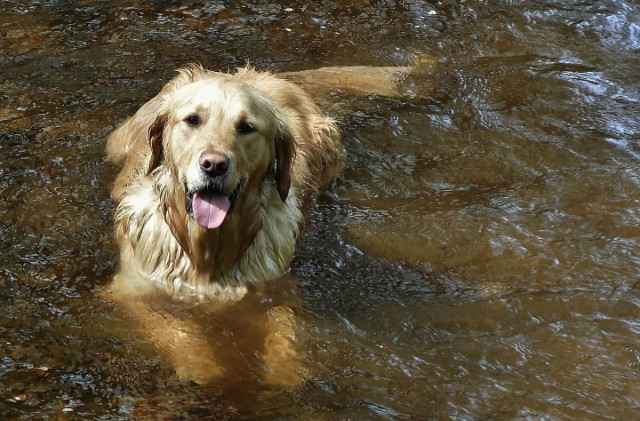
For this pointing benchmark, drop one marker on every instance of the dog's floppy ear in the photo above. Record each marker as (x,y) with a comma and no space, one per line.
(285,154)
(155,141)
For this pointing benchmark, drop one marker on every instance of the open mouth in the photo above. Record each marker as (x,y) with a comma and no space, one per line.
(210,206)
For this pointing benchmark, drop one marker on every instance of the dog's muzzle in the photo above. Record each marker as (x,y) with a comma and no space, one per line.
(210,202)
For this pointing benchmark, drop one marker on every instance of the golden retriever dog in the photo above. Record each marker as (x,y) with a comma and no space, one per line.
(214,171)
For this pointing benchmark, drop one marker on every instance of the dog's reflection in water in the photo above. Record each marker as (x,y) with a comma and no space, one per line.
(237,343)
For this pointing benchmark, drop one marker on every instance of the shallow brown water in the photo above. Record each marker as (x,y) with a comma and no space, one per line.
(478,258)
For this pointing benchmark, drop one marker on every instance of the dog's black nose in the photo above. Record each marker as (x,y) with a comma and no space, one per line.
(214,164)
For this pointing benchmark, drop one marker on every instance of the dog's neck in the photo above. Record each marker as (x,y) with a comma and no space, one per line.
(255,240)
(212,252)
(167,247)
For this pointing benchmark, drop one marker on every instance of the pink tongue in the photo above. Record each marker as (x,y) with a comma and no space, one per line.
(210,209)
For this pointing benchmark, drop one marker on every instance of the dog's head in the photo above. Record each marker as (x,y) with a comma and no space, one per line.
(216,136)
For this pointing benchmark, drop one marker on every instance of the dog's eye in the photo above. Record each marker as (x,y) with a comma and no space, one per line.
(244,128)
(193,120)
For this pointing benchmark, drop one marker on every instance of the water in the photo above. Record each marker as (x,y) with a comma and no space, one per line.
(477,258)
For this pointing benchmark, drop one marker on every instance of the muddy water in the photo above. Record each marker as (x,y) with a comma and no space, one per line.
(477,258)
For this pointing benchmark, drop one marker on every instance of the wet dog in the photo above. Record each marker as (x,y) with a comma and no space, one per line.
(214,170)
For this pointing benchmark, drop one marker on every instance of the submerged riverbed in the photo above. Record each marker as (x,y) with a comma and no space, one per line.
(477,258)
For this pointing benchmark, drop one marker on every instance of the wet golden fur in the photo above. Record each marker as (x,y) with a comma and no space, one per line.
(160,243)
(165,254)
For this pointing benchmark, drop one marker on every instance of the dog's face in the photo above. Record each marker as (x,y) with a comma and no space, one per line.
(217,136)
